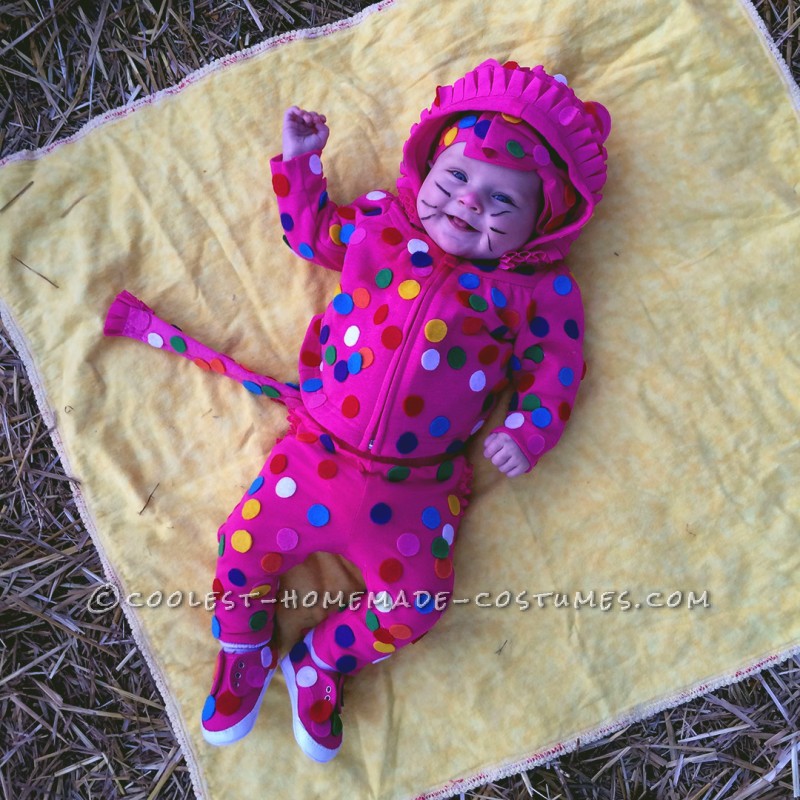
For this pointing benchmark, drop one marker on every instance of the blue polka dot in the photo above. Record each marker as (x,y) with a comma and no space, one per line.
(482,128)
(236,577)
(292,385)
(340,371)
(431,518)
(424,603)
(298,652)
(439,426)
(354,363)
(372,212)
(324,333)
(344,636)
(540,326)
(500,332)
(485,266)
(541,417)
(407,442)
(305,250)
(343,303)
(380,513)
(515,364)
(251,387)
(566,376)
(312,385)
(327,442)
(456,446)
(346,232)
(256,485)
(571,329)
(346,664)
(562,285)
(323,200)
(468,121)
(287,222)
(318,515)
(215,628)
(209,707)
(469,281)
(498,298)
(420,259)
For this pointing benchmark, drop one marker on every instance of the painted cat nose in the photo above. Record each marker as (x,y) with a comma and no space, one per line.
(471,201)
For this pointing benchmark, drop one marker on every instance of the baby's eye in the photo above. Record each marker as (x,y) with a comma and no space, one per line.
(503,198)
(459,175)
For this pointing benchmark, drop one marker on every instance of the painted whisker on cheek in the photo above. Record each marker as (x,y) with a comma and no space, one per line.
(426,203)
(498,231)
(500,213)
(428,217)
(438,186)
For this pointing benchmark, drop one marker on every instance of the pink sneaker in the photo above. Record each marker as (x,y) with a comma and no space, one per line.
(240,680)
(317,698)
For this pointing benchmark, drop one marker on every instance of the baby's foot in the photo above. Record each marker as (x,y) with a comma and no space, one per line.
(317,699)
(240,680)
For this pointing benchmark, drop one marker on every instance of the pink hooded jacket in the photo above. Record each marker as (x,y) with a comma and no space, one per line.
(409,359)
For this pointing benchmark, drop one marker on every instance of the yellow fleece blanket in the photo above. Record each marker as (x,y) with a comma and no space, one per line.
(673,496)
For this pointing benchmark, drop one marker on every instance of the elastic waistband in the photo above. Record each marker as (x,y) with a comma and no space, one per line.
(430,461)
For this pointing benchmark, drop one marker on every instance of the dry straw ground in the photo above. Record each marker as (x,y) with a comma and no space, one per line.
(79,714)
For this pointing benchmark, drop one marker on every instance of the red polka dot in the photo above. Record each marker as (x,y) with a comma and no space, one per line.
(443,567)
(280,185)
(583,372)
(345,212)
(317,326)
(217,588)
(383,635)
(361,297)
(530,312)
(351,406)
(320,710)
(509,316)
(401,631)
(306,437)
(228,703)
(278,464)
(308,358)
(381,314)
(202,364)
(367,357)
(327,469)
(564,411)
(392,337)
(272,562)
(463,296)
(511,65)
(471,325)
(413,405)
(391,570)
(391,236)
(525,382)
(488,354)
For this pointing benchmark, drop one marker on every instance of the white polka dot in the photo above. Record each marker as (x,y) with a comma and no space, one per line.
(477,381)
(430,359)
(285,487)
(560,78)
(514,420)
(478,425)
(351,335)
(376,195)
(315,164)
(448,533)
(417,246)
(383,602)
(306,676)
(155,340)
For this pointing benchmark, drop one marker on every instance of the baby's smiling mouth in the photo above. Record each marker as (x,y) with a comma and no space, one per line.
(460,224)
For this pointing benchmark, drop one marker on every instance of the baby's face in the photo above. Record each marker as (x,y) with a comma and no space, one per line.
(474,209)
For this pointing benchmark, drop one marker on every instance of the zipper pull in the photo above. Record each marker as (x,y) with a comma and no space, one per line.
(371,442)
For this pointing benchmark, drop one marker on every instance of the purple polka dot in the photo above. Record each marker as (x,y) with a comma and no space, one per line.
(287,538)
(407,544)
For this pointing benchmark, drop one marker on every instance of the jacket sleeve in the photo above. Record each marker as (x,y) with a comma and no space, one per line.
(315,227)
(547,366)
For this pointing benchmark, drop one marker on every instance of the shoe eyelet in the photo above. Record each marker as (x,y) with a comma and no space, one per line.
(327,697)
(237,675)
(329,689)
(240,665)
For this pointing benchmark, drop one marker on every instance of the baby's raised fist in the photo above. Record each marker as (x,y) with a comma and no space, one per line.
(303,132)
(505,454)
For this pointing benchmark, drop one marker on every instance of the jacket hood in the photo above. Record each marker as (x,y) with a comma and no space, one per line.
(574,130)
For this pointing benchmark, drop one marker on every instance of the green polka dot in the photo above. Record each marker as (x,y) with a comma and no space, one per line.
(178,344)
(397,474)
(336,724)
(478,303)
(531,403)
(270,391)
(445,471)
(384,278)
(372,621)
(258,620)
(221,548)
(456,357)
(534,353)
(439,547)
(515,148)
(330,354)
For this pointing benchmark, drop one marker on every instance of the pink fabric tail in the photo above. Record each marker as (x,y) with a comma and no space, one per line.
(129,316)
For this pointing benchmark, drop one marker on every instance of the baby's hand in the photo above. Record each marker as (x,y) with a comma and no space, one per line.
(505,454)
(303,131)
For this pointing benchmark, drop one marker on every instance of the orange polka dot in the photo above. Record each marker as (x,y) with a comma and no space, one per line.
(361,297)
(401,631)
(202,364)
(367,357)
(217,366)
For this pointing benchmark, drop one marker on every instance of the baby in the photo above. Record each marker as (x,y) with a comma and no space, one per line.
(450,291)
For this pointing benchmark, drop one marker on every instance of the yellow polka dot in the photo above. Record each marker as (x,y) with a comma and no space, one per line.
(335,233)
(512,120)
(435,330)
(251,509)
(455,505)
(408,290)
(260,591)
(449,136)
(241,541)
(383,647)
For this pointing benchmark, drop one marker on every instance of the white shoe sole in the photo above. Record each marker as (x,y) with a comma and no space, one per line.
(242,727)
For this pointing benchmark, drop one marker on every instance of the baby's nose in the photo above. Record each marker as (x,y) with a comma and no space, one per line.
(471,199)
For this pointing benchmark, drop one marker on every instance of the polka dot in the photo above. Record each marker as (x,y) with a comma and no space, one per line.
(562,285)
(383,647)
(215,628)
(329,356)
(445,471)
(371,621)
(383,278)
(344,636)
(323,200)
(351,335)
(439,426)
(541,155)
(454,504)
(421,272)
(178,344)
(401,631)
(375,195)
(448,533)
(531,402)
(361,297)
(456,357)
(335,232)
(488,355)
(217,589)
(571,329)
(424,603)
(380,513)
(367,357)
(383,602)
(326,441)
(221,545)
(512,119)
(435,330)
(241,541)
(430,360)
(298,652)
(539,326)
(408,290)
(358,236)
(514,420)
(383,635)
(443,567)
(347,232)
(417,246)
(277,464)
(287,223)
(285,487)
(380,314)
(287,538)
(272,562)
(468,121)
(482,128)
(413,405)
(256,485)
(209,707)
(477,426)
(469,281)
(305,250)
(391,236)
(431,518)
(341,371)
(236,577)
(251,509)
(534,353)
(515,148)
(407,443)
(324,333)
(477,381)
(318,515)
(204,365)
(536,444)
(306,677)
(390,570)
(566,376)
(449,137)
(327,469)
(398,474)
(478,303)
(315,164)
(407,544)
(560,78)
(345,212)
(541,417)
(498,298)
(258,620)
(280,185)
(440,548)
(320,711)
(351,406)
(471,326)
(564,411)
(421,259)
(391,337)
(252,387)
(154,340)
(344,665)
(343,303)
(228,703)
